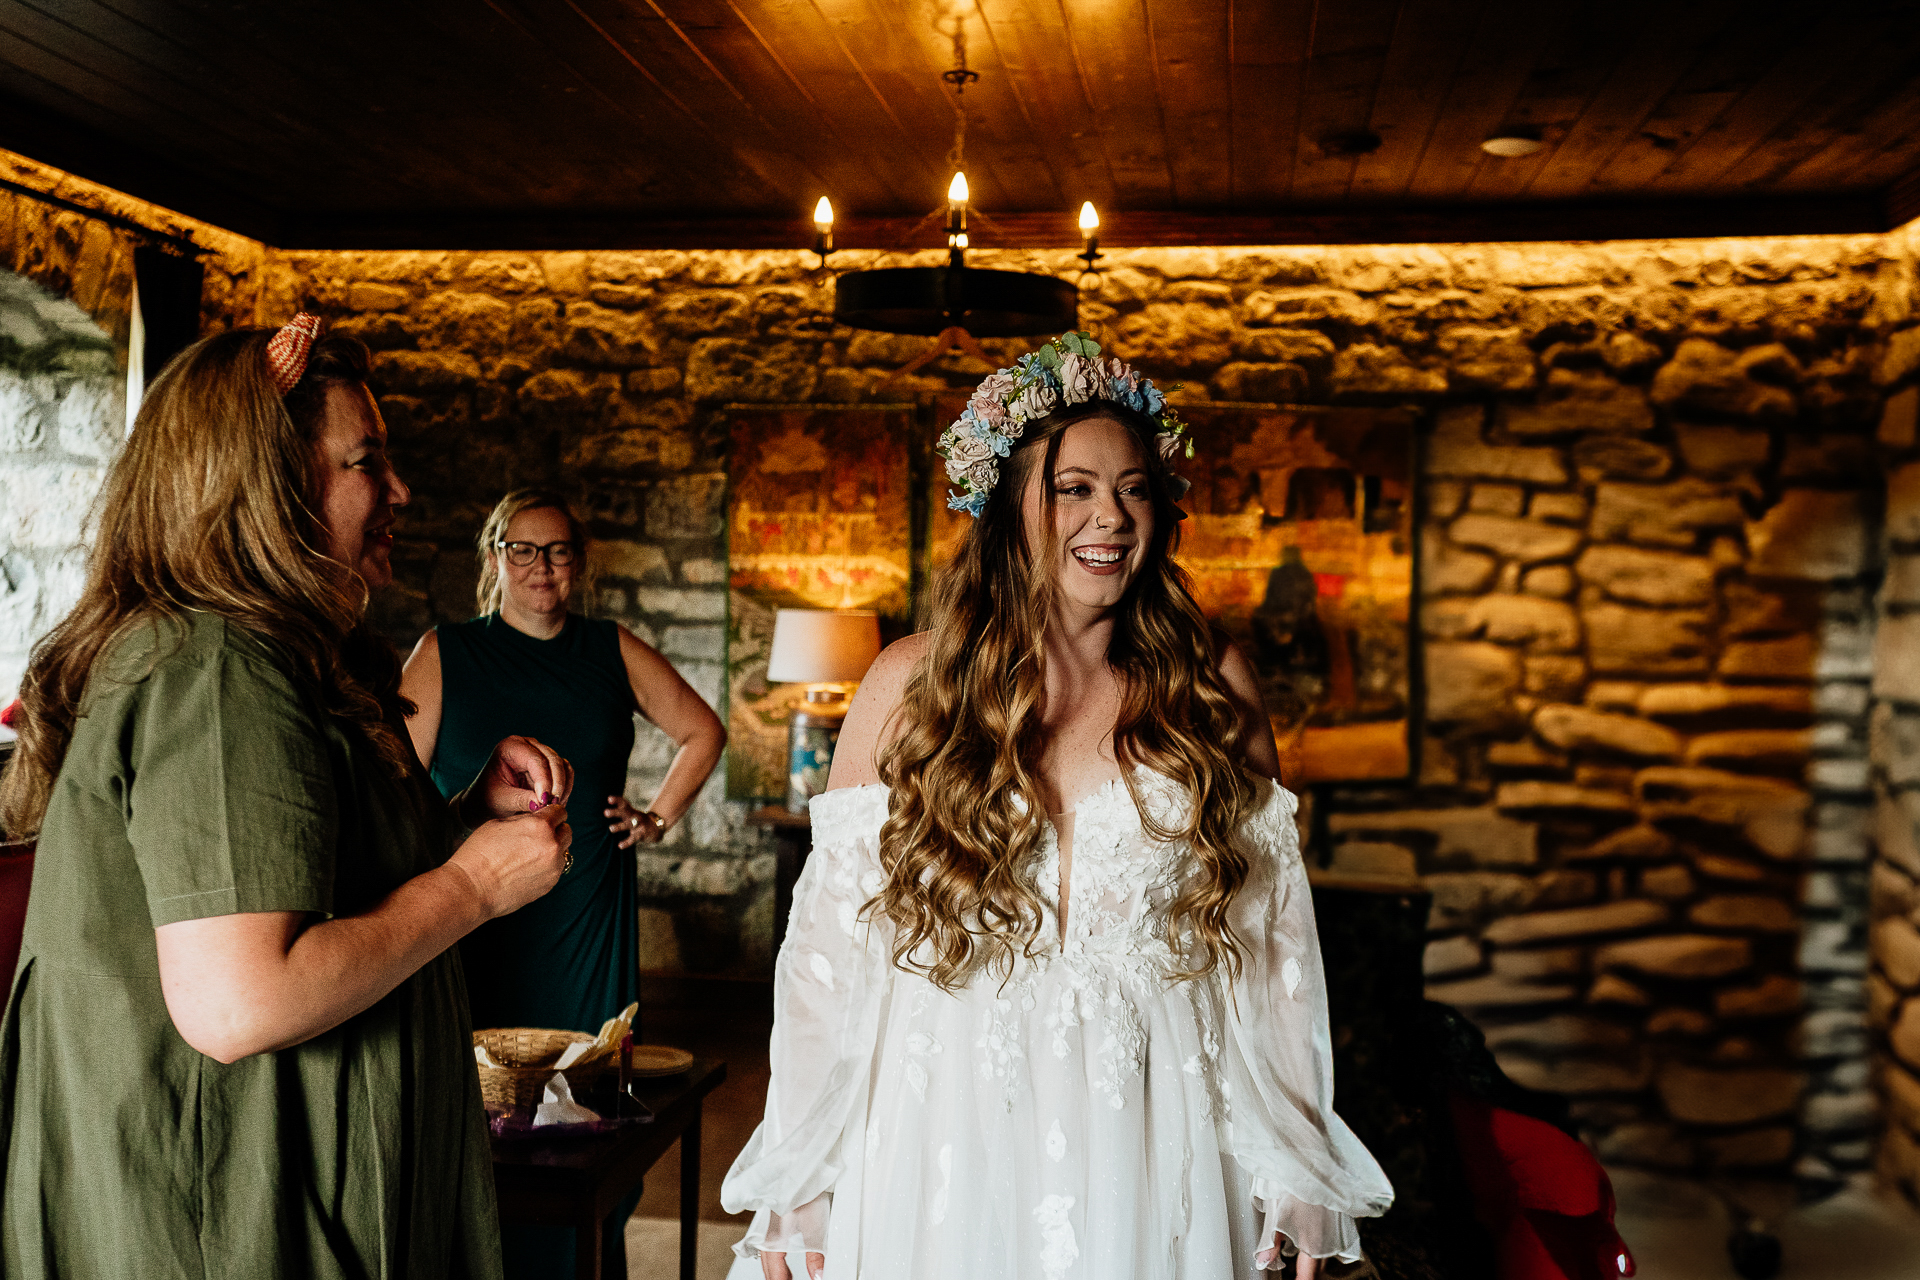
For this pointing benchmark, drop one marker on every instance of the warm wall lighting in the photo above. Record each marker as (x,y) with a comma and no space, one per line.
(1509,146)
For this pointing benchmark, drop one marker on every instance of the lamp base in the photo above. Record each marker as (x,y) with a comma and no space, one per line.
(811,738)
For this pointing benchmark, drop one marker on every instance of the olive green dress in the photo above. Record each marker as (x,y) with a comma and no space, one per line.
(202,782)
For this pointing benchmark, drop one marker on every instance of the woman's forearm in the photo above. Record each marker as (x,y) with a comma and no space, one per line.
(245,984)
(692,764)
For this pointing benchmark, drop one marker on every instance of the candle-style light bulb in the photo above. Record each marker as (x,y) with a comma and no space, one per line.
(823,229)
(957,191)
(1090,239)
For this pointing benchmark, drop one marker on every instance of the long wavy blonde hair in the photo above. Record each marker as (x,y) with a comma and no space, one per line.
(208,510)
(956,843)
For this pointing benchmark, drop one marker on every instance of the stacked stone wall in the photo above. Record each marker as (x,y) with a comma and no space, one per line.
(62,413)
(66,293)
(1893,986)
(1649,551)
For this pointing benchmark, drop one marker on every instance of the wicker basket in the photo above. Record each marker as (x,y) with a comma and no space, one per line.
(530,1054)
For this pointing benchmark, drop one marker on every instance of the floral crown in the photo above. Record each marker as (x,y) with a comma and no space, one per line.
(1067,371)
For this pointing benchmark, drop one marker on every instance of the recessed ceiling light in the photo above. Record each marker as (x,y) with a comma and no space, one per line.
(1359,142)
(1511,145)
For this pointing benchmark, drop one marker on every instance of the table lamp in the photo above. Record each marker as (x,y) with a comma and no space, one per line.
(827,651)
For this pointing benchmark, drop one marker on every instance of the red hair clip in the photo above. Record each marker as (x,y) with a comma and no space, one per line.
(288,349)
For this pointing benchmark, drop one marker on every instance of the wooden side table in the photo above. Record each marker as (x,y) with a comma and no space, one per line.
(793,841)
(578,1180)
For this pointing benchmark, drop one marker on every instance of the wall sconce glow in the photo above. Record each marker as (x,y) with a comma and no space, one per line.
(1511,146)
(1089,218)
(823,215)
(957,190)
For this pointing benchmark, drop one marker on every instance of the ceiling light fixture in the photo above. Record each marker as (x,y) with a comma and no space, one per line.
(1090,241)
(933,300)
(823,229)
(1511,146)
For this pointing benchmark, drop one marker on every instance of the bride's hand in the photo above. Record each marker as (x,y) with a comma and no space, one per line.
(1305,1266)
(774,1266)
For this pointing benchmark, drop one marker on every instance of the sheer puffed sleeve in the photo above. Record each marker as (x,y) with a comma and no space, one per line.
(830,981)
(1311,1175)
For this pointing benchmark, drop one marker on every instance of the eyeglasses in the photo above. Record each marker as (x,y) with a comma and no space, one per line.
(522,554)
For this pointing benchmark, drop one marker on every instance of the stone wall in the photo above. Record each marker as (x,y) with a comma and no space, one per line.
(1893,987)
(66,290)
(62,415)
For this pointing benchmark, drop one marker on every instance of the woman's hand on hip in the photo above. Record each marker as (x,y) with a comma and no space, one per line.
(523,775)
(774,1266)
(515,860)
(632,825)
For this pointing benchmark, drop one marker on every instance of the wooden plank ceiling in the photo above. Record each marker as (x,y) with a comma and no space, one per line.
(528,123)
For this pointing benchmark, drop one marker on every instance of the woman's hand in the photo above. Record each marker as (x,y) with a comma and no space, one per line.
(632,823)
(515,860)
(774,1266)
(1305,1266)
(523,775)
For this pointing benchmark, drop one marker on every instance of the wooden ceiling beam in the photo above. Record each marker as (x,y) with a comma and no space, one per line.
(37,134)
(1430,224)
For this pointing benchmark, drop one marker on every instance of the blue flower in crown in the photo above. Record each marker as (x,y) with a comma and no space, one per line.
(1067,371)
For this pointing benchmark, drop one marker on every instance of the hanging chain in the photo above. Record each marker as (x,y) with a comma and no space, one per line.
(959,77)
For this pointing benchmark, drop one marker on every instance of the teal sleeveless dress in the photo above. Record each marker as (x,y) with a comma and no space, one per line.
(569,960)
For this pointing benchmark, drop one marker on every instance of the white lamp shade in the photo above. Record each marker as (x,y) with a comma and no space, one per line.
(819,647)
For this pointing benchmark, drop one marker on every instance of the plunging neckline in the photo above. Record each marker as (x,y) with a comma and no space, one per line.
(1063,850)
(1062,854)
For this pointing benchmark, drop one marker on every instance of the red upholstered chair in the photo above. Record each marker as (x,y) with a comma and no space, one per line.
(16,877)
(1540,1194)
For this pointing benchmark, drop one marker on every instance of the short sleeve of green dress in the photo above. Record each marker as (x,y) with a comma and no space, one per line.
(202,782)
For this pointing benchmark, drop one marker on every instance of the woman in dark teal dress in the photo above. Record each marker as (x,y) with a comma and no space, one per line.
(569,960)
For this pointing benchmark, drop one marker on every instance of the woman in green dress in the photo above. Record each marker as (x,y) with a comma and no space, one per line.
(527,665)
(236,1043)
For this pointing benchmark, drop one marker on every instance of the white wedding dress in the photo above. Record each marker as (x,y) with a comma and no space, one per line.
(1087,1117)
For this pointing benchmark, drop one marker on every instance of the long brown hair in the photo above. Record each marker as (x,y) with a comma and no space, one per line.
(491,592)
(967,813)
(208,510)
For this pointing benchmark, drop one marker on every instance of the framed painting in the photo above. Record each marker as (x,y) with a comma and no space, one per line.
(819,516)
(1299,541)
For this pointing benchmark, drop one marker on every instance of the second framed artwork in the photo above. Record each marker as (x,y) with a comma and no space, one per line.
(1298,540)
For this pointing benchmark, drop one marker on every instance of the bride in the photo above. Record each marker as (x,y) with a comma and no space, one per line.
(1051,1001)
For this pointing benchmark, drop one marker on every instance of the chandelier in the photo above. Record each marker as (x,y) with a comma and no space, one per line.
(932,300)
